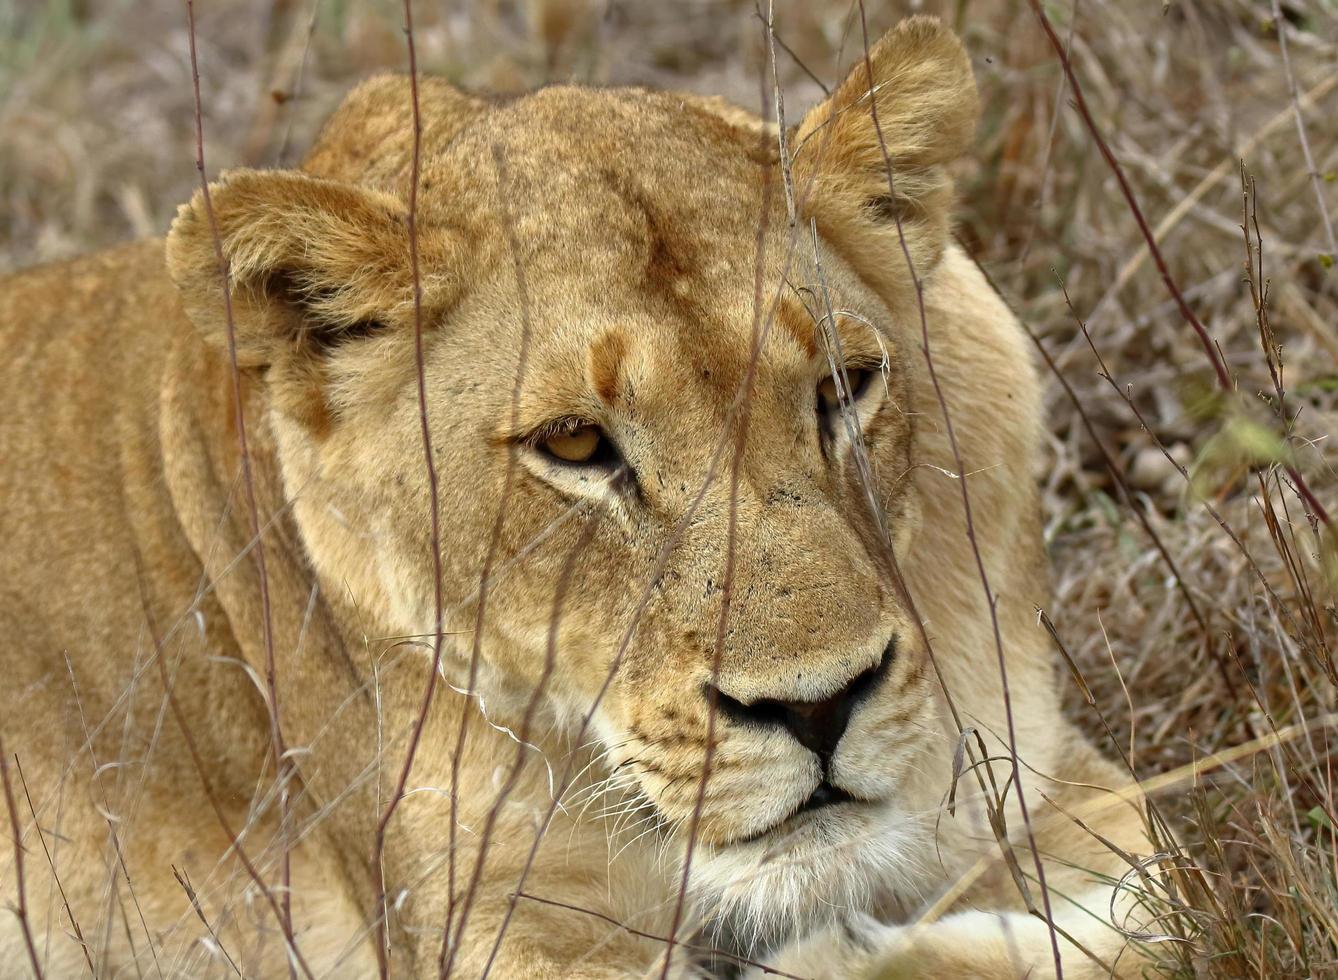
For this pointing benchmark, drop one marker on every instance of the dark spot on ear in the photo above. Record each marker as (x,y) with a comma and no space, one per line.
(311,331)
(282,285)
(884,208)
(324,338)
(359,330)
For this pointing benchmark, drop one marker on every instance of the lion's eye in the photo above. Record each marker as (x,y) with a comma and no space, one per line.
(585,444)
(829,398)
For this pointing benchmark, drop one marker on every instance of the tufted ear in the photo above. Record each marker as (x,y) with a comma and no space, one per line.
(313,263)
(924,97)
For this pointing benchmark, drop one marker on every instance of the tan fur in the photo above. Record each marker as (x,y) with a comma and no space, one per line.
(585,255)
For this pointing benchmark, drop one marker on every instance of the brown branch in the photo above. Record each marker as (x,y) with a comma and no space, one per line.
(885,550)
(1117,474)
(1280,25)
(647,594)
(282,764)
(1104,373)
(990,599)
(1165,839)
(1186,312)
(776,39)
(295,92)
(21,908)
(379,844)
(446,961)
(74,923)
(1189,316)
(113,836)
(522,736)
(644,600)
(197,761)
(731,539)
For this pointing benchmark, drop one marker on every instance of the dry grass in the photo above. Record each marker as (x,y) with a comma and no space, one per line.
(1200,608)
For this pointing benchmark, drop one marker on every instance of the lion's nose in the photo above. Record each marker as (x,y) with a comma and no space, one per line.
(816,725)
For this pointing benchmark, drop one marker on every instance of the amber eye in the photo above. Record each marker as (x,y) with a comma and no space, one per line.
(828,398)
(584,444)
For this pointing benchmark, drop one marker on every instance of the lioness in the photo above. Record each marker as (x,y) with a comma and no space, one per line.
(700,514)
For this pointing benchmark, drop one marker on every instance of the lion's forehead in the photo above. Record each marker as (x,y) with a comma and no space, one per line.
(680,347)
(642,243)
(600,171)
(670,329)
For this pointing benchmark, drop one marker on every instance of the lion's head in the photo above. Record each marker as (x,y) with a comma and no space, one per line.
(665,390)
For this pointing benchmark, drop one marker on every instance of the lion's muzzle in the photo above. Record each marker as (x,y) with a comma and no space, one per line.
(817,725)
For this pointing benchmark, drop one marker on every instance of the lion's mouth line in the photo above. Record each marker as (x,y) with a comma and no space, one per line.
(825,795)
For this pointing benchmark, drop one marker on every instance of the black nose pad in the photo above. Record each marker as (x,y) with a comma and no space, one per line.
(816,725)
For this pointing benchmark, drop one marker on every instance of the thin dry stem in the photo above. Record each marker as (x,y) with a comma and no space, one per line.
(1186,311)
(55,877)
(1280,25)
(991,602)
(20,909)
(381,914)
(278,750)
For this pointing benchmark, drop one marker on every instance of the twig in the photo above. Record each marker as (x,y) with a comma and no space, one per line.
(1105,375)
(379,845)
(1117,474)
(114,836)
(776,39)
(1189,316)
(1049,150)
(1209,180)
(782,136)
(885,550)
(447,960)
(193,750)
(522,736)
(279,752)
(1280,25)
(643,602)
(183,879)
(50,860)
(731,538)
(990,599)
(1186,313)
(296,92)
(21,908)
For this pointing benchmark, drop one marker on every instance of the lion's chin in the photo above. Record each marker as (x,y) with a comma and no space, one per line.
(809,871)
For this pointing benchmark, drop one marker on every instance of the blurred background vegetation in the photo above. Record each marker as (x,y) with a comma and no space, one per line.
(1198,607)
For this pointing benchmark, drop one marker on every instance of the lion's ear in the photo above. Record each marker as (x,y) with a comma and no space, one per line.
(912,106)
(312,263)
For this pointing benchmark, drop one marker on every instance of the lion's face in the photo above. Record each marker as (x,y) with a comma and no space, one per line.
(657,499)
